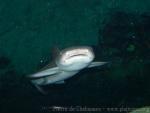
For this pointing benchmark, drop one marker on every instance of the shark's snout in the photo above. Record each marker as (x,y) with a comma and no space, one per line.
(75,58)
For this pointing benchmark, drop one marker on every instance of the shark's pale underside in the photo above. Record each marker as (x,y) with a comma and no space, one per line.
(66,64)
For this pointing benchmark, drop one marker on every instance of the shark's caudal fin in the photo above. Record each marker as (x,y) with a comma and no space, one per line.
(40,89)
(94,64)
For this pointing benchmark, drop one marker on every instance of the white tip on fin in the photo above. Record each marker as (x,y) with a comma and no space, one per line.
(94,64)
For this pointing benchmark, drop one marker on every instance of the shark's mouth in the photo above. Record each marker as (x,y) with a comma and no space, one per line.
(76,55)
(77,52)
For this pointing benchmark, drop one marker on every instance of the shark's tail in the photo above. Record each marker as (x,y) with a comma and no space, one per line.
(40,89)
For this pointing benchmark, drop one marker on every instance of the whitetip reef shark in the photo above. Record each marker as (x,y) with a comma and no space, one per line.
(66,64)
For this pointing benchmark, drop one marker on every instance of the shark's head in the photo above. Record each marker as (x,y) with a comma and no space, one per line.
(75,58)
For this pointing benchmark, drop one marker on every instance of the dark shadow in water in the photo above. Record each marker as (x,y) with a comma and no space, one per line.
(126,39)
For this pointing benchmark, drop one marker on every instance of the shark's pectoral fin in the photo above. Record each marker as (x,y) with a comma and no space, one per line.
(94,64)
(60,82)
(43,73)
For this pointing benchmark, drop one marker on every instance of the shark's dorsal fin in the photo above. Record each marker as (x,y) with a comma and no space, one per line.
(55,52)
(51,68)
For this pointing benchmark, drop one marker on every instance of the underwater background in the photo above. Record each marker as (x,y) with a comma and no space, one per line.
(118,31)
